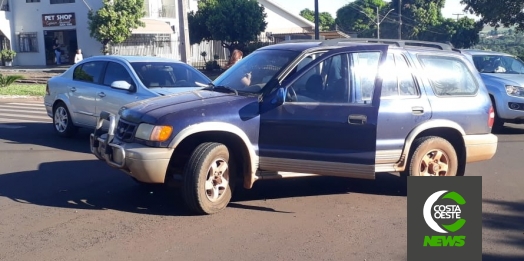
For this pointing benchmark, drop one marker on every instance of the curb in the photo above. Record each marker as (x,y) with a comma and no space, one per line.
(4,98)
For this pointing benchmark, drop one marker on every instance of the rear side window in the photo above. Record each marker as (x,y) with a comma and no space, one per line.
(89,72)
(449,76)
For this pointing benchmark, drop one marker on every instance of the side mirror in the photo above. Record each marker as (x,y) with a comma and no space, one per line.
(122,85)
(280,96)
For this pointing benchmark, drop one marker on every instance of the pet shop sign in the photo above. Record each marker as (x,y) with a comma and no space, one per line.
(64,19)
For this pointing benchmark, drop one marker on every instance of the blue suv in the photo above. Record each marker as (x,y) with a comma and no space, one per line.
(346,108)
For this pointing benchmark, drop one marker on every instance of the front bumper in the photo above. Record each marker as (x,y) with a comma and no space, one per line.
(480,147)
(144,163)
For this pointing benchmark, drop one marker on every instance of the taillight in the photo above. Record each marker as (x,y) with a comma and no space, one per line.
(47,89)
(491,119)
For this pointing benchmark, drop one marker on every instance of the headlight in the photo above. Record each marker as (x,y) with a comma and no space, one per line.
(153,133)
(515,91)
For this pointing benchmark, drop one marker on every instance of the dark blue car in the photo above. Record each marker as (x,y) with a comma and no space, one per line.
(344,108)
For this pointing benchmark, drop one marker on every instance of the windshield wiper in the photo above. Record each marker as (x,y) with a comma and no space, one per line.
(218,88)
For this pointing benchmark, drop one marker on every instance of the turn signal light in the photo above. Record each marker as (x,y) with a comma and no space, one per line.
(161,133)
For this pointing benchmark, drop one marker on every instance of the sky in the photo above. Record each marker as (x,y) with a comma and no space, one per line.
(331,6)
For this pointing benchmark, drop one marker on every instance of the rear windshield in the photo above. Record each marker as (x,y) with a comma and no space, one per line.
(169,75)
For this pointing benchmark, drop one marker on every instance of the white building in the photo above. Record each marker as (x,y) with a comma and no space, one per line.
(31,27)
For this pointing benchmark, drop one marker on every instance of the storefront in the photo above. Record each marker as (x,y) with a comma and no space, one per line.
(56,37)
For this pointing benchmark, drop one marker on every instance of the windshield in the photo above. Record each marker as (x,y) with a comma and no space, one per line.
(498,64)
(169,75)
(253,72)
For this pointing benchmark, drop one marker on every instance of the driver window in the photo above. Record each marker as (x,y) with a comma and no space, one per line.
(327,82)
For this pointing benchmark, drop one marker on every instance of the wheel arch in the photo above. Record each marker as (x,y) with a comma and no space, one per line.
(228,134)
(449,130)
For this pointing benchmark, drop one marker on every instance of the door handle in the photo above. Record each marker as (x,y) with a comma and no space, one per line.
(417,110)
(101,94)
(73,89)
(357,119)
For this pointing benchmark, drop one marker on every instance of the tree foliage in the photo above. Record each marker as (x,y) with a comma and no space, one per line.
(350,17)
(114,22)
(326,21)
(498,13)
(421,20)
(234,22)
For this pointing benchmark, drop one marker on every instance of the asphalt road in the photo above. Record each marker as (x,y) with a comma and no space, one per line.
(57,202)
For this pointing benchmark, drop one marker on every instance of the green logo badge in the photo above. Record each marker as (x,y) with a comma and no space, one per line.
(444,214)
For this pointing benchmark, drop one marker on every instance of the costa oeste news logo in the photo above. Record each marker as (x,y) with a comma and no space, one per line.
(444,218)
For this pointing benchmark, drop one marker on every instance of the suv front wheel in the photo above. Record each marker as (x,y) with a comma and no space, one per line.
(433,156)
(208,178)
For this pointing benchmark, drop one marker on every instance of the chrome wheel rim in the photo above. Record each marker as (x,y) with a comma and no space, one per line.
(434,163)
(61,119)
(217,180)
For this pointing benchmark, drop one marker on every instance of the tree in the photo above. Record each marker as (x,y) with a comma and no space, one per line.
(350,17)
(326,21)
(234,22)
(498,13)
(114,22)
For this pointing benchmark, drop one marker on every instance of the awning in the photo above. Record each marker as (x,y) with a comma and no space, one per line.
(153,27)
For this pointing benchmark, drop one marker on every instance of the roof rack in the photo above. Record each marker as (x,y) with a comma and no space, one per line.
(399,43)
(395,42)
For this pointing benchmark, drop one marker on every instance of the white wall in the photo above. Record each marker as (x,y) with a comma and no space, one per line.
(5,22)
(279,21)
(34,11)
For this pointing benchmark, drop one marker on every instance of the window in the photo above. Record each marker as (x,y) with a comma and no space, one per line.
(32,1)
(116,72)
(449,76)
(341,78)
(397,78)
(27,42)
(364,72)
(89,72)
(62,1)
(327,82)
(167,75)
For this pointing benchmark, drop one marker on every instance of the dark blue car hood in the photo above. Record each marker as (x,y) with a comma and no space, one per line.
(150,110)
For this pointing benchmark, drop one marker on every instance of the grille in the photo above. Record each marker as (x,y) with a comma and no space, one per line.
(125,131)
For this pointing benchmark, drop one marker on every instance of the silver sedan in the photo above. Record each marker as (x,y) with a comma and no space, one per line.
(105,83)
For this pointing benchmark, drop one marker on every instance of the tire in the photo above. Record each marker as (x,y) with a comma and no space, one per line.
(422,160)
(218,194)
(498,123)
(62,123)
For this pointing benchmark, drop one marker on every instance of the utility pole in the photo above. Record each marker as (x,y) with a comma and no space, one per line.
(400,19)
(378,22)
(458,16)
(183,31)
(316,21)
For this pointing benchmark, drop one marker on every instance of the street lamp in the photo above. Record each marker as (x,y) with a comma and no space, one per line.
(378,22)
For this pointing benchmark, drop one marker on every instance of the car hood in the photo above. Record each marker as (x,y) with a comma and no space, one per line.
(142,111)
(513,79)
(173,90)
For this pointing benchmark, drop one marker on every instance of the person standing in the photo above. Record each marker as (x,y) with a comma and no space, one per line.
(78,56)
(56,48)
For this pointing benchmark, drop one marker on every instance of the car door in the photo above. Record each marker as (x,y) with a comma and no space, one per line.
(326,126)
(83,90)
(403,106)
(112,99)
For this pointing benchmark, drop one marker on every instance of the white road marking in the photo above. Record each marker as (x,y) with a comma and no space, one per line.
(22,112)
(27,104)
(19,116)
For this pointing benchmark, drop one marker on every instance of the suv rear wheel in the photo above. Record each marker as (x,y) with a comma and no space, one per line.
(433,156)
(208,178)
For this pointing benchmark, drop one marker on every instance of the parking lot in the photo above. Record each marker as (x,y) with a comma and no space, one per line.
(59,203)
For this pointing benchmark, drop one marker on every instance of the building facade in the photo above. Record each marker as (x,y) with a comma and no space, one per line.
(32,27)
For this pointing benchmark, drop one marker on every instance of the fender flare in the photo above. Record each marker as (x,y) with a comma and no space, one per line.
(431,124)
(224,127)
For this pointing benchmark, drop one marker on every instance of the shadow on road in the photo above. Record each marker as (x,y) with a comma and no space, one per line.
(42,134)
(510,223)
(511,129)
(91,184)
